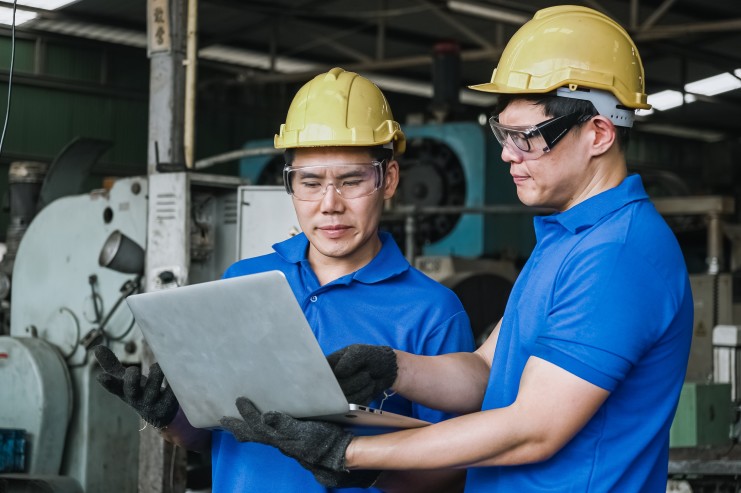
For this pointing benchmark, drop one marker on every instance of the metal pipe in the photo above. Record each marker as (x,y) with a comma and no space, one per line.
(410,229)
(191,64)
(381,33)
(680,30)
(410,213)
(634,12)
(715,243)
(232,155)
(382,65)
(657,14)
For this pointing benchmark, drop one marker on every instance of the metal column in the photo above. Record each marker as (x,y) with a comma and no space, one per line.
(161,465)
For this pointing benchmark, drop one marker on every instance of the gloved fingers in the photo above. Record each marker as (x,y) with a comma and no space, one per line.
(153,385)
(290,428)
(363,396)
(285,431)
(169,406)
(352,360)
(108,361)
(335,357)
(237,427)
(247,409)
(246,431)
(132,384)
(112,384)
(283,425)
(356,383)
(253,421)
(168,398)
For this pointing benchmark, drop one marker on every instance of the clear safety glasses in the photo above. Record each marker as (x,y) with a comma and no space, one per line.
(351,181)
(532,141)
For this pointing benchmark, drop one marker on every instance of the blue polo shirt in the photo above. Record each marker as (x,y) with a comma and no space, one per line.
(387,302)
(605,295)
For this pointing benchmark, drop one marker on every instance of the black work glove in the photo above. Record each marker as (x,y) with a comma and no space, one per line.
(156,405)
(364,371)
(317,445)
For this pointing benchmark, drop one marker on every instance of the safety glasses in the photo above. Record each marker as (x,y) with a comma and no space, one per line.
(350,181)
(532,141)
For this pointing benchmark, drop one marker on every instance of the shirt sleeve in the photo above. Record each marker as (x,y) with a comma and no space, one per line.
(452,336)
(609,306)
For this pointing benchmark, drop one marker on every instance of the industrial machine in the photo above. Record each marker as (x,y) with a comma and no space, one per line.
(703,456)
(79,258)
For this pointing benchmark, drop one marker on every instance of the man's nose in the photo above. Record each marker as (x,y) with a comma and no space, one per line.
(332,200)
(510,153)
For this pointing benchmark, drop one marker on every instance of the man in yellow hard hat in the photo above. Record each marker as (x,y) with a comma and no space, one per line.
(352,281)
(577,386)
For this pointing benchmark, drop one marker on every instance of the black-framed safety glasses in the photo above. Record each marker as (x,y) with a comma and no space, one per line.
(535,140)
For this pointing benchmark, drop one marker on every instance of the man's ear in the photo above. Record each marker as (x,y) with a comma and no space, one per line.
(603,134)
(391,179)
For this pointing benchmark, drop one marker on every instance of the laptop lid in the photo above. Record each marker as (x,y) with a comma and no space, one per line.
(244,336)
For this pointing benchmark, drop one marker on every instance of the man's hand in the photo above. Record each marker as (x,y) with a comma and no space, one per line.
(364,371)
(318,446)
(156,405)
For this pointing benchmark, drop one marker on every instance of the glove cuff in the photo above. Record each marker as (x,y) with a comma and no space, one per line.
(388,358)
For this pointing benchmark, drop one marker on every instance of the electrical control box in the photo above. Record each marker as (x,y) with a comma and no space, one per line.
(703,415)
(12,450)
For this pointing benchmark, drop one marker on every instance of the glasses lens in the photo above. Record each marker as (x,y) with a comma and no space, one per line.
(522,140)
(500,131)
(349,180)
(525,140)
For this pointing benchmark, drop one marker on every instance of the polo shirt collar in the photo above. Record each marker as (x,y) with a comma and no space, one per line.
(293,250)
(589,212)
(389,261)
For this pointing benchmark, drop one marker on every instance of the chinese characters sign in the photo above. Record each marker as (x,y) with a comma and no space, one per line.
(158,26)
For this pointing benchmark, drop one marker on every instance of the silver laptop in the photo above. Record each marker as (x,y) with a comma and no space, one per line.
(245,336)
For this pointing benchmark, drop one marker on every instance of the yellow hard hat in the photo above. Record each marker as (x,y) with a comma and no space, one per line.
(574,47)
(340,108)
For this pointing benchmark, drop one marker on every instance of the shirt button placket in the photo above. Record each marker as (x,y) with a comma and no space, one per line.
(313,298)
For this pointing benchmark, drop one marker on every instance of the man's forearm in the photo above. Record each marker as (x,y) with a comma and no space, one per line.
(487,438)
(551,407)
(181,433)
(453,382)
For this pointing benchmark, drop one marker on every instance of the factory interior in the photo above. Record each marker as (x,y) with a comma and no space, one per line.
(138,154)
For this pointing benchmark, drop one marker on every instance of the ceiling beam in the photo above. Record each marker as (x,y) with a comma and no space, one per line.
(600,8)
(373,65)
(489,12)
(330,41)
(679,30)
(381,32)
(635,8)
(457,25)
(656,15)
(721,62)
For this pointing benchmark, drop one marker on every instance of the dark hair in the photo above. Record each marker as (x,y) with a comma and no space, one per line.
(377,153)
(555,106)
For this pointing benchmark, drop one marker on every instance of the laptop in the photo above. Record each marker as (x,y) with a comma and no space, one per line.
(246,336)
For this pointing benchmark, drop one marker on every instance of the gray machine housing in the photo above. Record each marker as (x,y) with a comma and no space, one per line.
(80,438)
